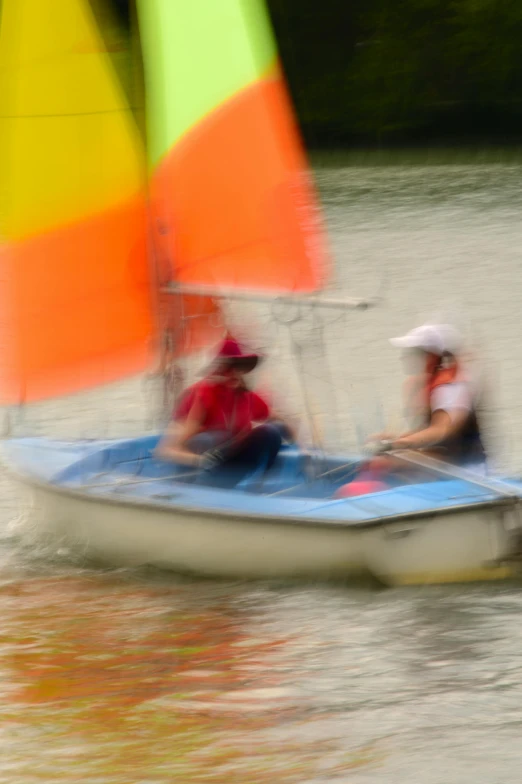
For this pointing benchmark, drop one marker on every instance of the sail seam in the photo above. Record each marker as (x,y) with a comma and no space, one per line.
(67,114)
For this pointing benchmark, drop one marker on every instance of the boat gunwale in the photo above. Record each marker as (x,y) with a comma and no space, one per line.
(257,517)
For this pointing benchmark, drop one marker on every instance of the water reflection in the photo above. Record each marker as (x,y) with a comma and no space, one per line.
(120,645)
(155,677)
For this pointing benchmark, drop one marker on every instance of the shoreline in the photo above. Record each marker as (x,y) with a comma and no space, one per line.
(429,155)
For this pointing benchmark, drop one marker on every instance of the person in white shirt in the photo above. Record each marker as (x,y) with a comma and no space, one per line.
(441,397)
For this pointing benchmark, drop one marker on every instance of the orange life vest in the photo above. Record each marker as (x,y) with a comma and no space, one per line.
(437,375)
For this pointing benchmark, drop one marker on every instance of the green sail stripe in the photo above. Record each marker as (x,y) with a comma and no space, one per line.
(198,54)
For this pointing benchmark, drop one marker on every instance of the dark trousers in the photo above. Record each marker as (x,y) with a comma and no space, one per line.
(252,456)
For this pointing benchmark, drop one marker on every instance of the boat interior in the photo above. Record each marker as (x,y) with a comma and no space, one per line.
(329,488)
(294,474)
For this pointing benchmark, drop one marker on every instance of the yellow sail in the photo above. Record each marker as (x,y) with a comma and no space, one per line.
(73,256)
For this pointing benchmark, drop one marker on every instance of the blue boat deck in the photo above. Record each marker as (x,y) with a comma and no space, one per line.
(126,471)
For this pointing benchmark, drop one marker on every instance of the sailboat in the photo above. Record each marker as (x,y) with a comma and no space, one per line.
(106,259)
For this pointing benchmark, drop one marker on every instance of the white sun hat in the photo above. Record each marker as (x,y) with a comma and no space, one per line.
(435,338)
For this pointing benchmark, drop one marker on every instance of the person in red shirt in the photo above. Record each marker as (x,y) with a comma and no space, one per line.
(221,424)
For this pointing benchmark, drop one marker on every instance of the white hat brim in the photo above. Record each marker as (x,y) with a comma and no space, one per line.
(407,341)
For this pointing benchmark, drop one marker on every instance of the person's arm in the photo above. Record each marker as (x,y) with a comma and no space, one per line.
(172,446)
(442,426)
(450,405)
(263,412)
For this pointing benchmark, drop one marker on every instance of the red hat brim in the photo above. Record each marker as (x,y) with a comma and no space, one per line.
(247,362)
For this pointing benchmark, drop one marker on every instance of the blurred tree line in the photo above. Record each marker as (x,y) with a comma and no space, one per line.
(385,71)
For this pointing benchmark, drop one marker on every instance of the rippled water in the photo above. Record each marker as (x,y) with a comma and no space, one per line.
(121,677)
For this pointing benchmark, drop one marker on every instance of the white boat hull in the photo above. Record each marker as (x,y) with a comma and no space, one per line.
(465,546)
(445,547)
(201,544)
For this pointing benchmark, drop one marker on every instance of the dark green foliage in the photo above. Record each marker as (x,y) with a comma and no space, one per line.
(393,70)
(366,71)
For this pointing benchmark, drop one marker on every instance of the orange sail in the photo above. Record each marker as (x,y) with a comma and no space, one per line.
(229,177)
(74,276)
(185,323)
